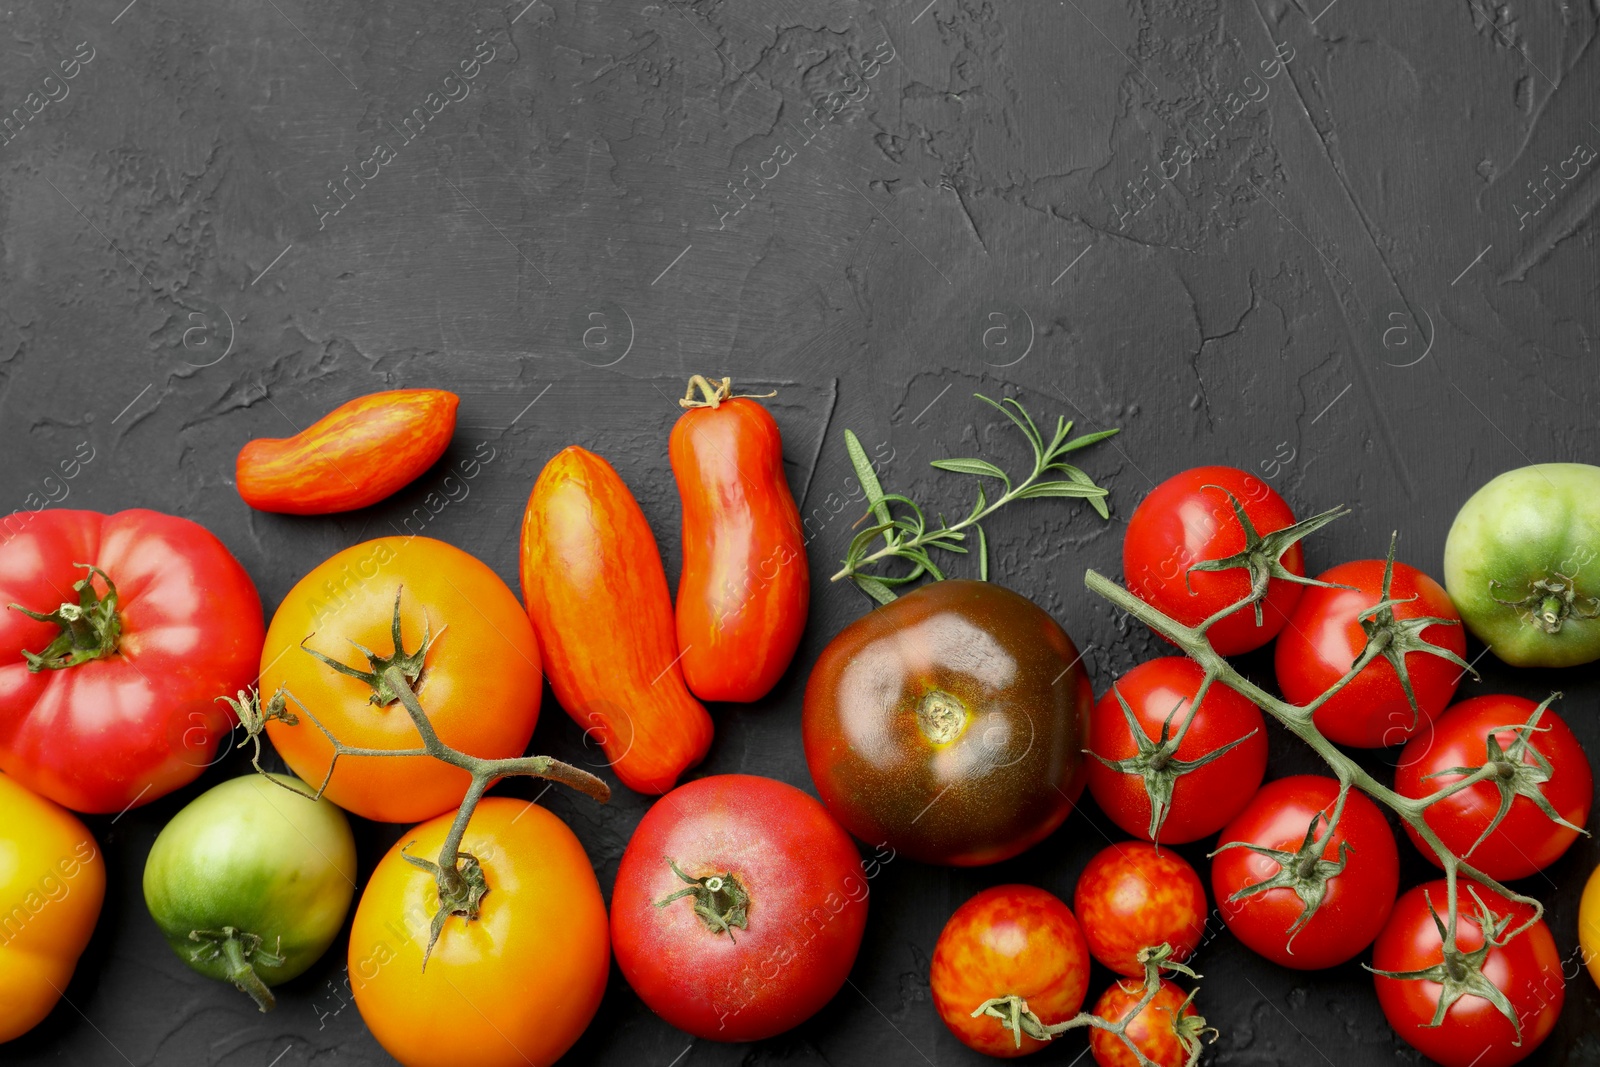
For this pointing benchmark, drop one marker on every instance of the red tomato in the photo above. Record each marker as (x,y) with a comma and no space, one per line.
(1527,840)
(1012,940)
(1182,522)
(1474,1033)
(765,933)
(125,710)
(1202,799)
(1132,896)
(1325,635)
(1153,1030)
(1358,898)
(745,588)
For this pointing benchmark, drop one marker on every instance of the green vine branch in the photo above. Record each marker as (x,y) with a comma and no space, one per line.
(904,528)
(459,876)
(1013,1013)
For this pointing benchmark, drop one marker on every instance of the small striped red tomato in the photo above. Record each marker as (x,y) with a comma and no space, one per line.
(1012,941)
(1132,896)
(1164,1031)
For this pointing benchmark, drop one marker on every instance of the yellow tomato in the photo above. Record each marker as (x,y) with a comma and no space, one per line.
(513,987)
(480,683)
(1589,925)
(52,881)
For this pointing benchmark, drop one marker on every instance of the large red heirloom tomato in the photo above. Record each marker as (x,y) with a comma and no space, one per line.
(949,724)
(739,907)
(122,632)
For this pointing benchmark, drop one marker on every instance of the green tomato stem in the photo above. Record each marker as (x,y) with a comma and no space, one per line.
(243,975)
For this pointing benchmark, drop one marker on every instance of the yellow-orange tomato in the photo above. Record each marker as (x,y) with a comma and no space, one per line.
(513,987)
(52,881)
(1589,925)
(479,684)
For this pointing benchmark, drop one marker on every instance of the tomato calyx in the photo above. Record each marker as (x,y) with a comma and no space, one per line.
(461,890)
(90,629)
(241,950)
(713,391)
(1305,870)
(1394,639)
(1550,602)
(410,664)
(720,900)
(1512,774)
(1262,557)
(1156,762)
(1460,973)
(1013,1012)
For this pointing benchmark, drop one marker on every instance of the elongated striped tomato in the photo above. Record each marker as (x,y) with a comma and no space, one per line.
(597,594)
(745,587)
(357,454)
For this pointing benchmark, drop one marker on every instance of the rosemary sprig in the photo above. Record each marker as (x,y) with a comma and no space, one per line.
(906,535)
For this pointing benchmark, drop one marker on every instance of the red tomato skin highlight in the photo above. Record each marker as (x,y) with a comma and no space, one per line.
(1474,1033)
(1181,523)
(1130,897)
(1358,900)
(808,908)
(746,586)
(1203,800)
(135,725)
(1324,637)
(1526,841)
(1010,939)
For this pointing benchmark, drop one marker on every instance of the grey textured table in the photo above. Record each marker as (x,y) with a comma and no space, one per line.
(1348,247)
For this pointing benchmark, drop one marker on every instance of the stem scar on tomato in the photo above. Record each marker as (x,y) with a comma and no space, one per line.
(90,629)
(411,664)
(720,900)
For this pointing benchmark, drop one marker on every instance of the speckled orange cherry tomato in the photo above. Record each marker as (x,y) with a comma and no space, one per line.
(1012,940)
(1132,897)
(1152,1030)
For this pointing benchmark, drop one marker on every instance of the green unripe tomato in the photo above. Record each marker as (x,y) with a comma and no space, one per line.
(250,883)
(1522,563)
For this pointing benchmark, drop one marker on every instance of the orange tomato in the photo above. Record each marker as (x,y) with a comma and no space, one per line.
(1155,1030)
(357,454)
(597,595)
(480,682)
(513,987)
(745,587)
(52,881)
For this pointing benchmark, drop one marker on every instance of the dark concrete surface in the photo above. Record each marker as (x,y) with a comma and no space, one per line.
(1322,243)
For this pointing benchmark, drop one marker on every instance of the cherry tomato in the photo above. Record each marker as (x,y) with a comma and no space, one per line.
(110,699)
(1184,521)
(1357,897)
(514,986)
(52,883)
(1202,800)
(478,678)
(949,724)
(1527,840)
(1153,1030)
(1132,896)
(359,453)
(1474,1033)
(739,907)
(597,594)
(746,586)
(1325,636)
(1012,940)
